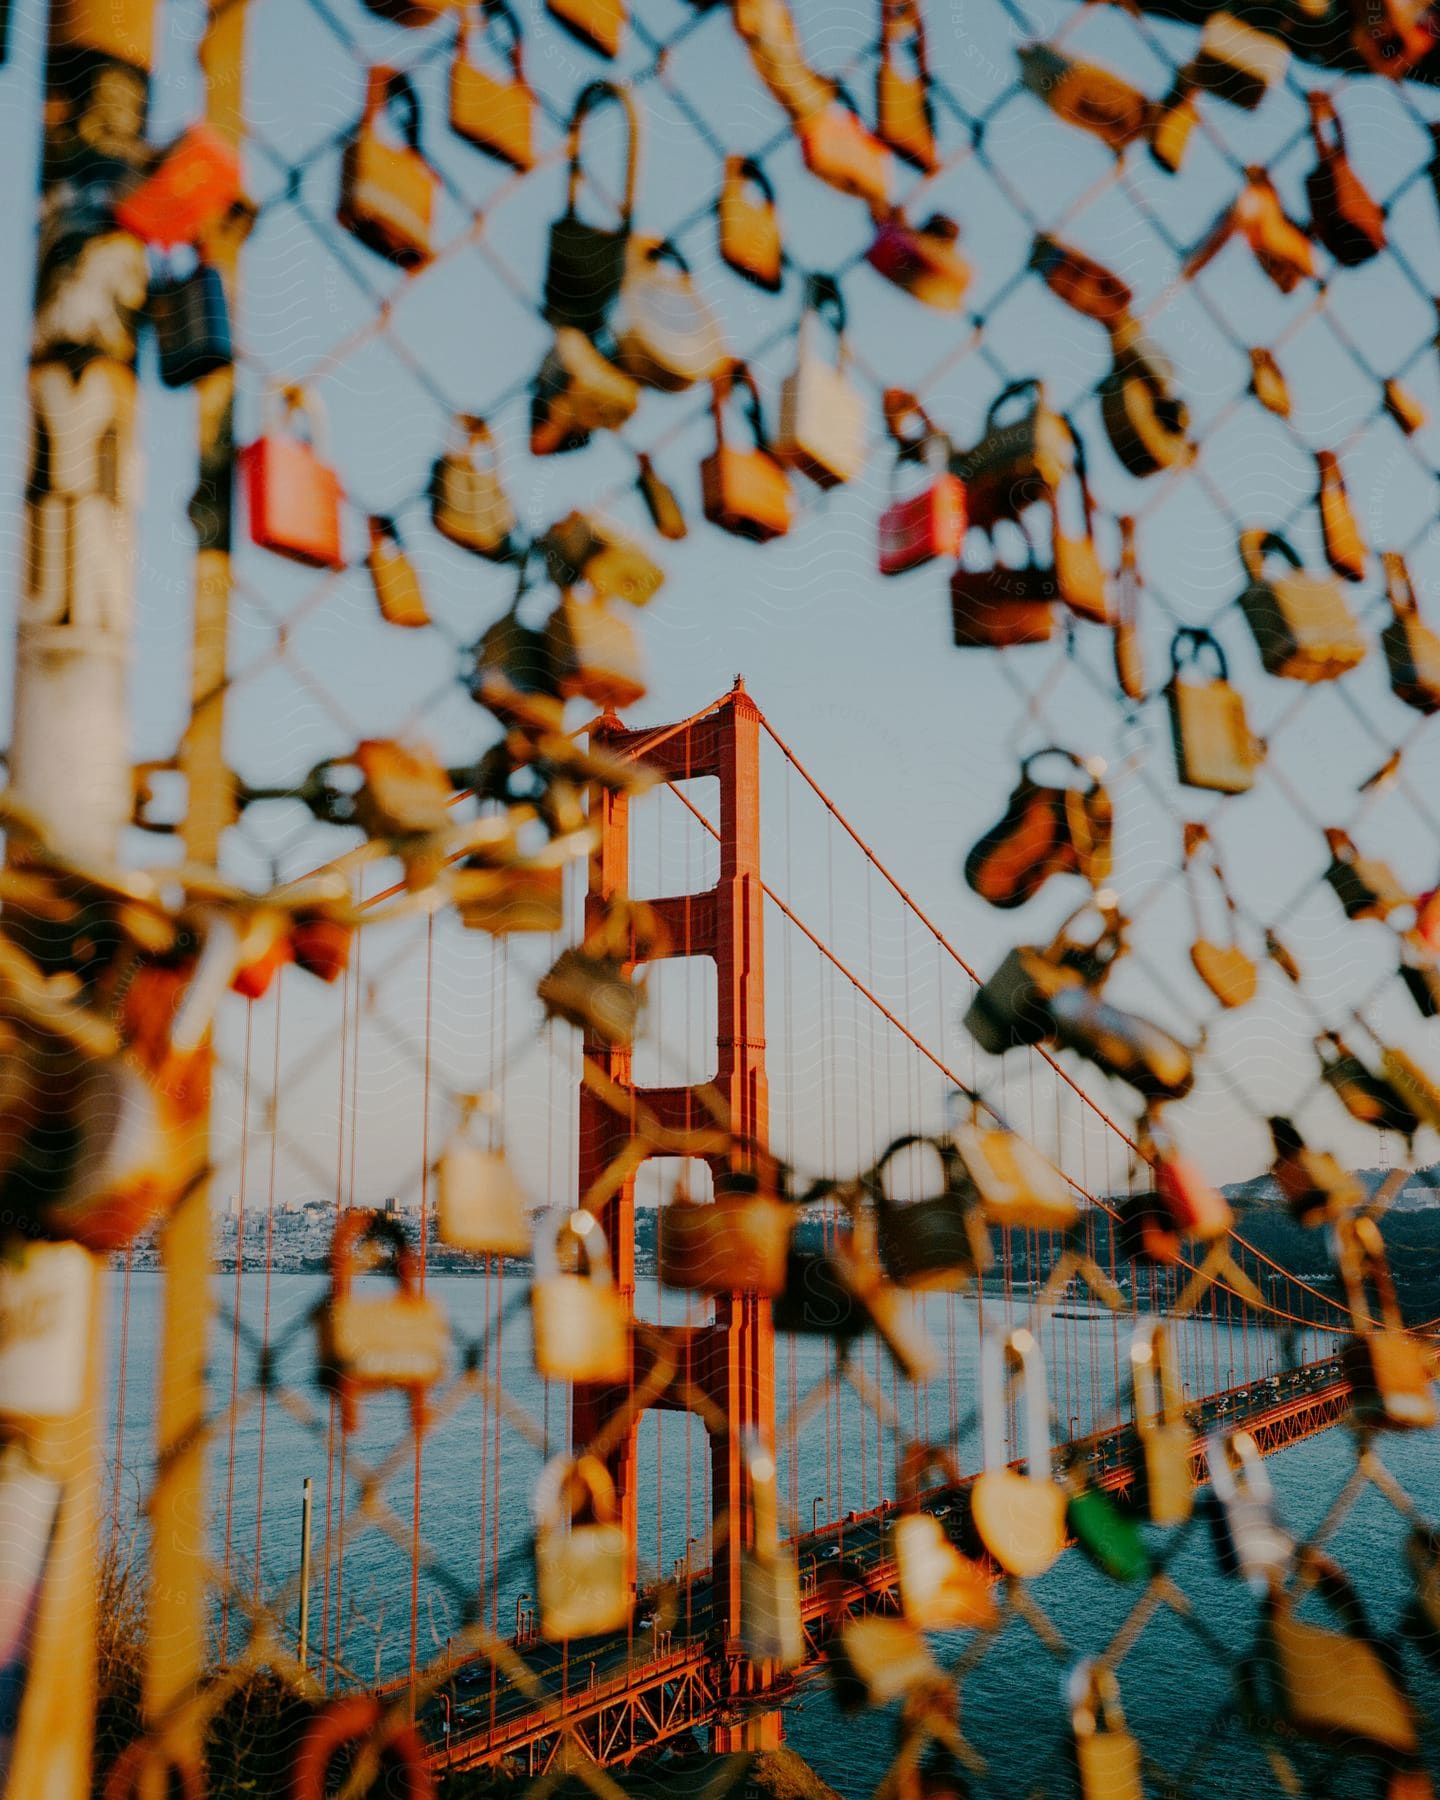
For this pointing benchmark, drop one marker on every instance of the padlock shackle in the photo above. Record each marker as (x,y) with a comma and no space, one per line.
(918,1461)
(997,1350)
(873,1181)
(1323,118)
(1026,384)
(283,402)
(745,168)
(932,452)
(492,13)
(824,300)
(556,1499)
(1196,639)
(1236,1468)
(1153,1380)
(588,1232)
(902,20)
(393,92)
(1258,543)
(383,530)
(359,1226)
(1070,756)
(351,1720)
(596,94)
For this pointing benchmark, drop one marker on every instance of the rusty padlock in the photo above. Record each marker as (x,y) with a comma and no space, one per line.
(366,1342)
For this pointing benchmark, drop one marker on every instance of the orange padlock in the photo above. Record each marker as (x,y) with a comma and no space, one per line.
(387,190)
(843,151)
(744,491)
(292,493)
(189,188)
(918,528)
(904,118)
(493,114)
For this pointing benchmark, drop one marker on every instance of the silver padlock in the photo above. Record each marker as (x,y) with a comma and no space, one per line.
(581,1327)
(479,1203)
(1249,1540)
(770,1626)
(582,1581)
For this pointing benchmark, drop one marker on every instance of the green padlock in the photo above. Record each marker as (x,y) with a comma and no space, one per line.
(1109,1537)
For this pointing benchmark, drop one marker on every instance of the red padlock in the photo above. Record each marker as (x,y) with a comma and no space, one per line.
(923,260)
(917,529)
(1192,1206)
(191,187)
(292,492)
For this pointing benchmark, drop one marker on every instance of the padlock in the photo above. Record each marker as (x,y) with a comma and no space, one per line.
(1312,1183)
(101,1155)
(513,675)
(1214,746)
(940,1589)
(771,1628)
(580,548)
(939,1241)
(924,260)
(1221,963)
(1020,458)
(495,114)
(1081,282)
(904,117)
(366,1342)
(1173,123)
(577,391)
(582,1568)
(1145,1232)
(586,263)
(595,652)
(121,29)
(1250,1542)
(187,190)
(406,791)
(1267,383)
(1192,1206)
(875,1661)
(579,1322)
(1388,1370)
(1338,1687)
(1366,887)
(743,491)
(915,530)
(192,326)
(1422,980)
(839,148)
(1236,62)
(666,334)
(1106,1756)
(48,1294)
(1280,246)
(387,191)
(1079,580)
(1415,1085)
(397,586)
(342,1732)
(768,28)
(1013,1006)
(1412,648)
(598,24)
(1127,648)
(1108,1536)
(1085,95)
(750,240)
(1163,1488)
(892,1311)
(505,900)
(320,944)
(1045,831)
(594,993)
(1344,547)
(468,503)
(1015,1185)
(1019,1518)
(1303,627)
(1367,1097)
(822,415)
(818,1299)
(1393,36)
(661,501)
(292,493)
(1157,1065)
(1004,605)
(1144,418)
(480,1205)
(1343,216)
(737,1243)
(1403,407)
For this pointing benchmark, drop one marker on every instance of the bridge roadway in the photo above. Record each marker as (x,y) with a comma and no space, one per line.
(621,1698)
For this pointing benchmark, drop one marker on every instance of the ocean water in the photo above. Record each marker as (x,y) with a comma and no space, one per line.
(480,1465)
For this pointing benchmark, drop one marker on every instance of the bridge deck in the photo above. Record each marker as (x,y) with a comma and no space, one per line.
(616,1700)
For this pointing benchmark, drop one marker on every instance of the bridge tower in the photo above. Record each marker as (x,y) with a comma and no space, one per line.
(732,1359)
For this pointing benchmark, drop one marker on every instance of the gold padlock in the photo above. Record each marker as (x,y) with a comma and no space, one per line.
(1303,627)
(580,1326)
(771,1628)
(368,1342)
(750,239)
(1312,1183)
(1019,1518)
(874,1661)
(468,503)
(1388,1370)
(904,118)
(1236,62)
(1163,1484)
(1086,95)
(1128,647)
(1025,451)
(1221,964)
(940,1589)
(822,415)
(480,1206)
(666,334)
(1014,1183)
(1214,746)
(577,391)
(580,547)
(397,586)
(1412,648)
(497,116)
(768,28)
(738,1243)
(387,191)
(1106,1755)
(598,24)
(1366,887)
(582,1570)
(1344,547)
(595,653)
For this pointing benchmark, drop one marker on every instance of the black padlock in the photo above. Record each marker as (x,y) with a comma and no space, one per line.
(192,326)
